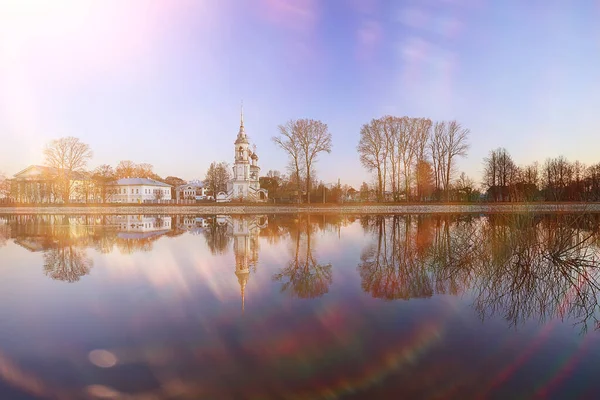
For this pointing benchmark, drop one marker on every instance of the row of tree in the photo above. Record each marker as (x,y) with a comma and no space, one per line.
(557,179)
(414,157)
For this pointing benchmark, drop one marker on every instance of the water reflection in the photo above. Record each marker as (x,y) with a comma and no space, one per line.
(303,276)
(328,315)
(518,266)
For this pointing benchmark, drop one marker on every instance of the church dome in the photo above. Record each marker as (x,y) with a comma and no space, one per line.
(254,156)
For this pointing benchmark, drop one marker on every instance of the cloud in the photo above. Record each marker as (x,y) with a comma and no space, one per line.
(299,16)
(427,72)
(414,17)
(369,37)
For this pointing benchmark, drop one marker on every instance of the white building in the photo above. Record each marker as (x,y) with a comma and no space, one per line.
(193,190)
(139,190)
(41,184)
(244,184)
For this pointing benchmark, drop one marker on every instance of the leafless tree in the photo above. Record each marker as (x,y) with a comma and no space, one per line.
(557,175)
(455,144)
(437,146)
(4,187)
(217,177)
(421,138)
(144,170)
(372,150)
(69,156)
(424,179)
(103,176)
(407,150)
(500,174)
(304,140)
(125,169)
(289,142)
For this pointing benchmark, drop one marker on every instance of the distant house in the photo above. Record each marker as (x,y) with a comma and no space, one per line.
(139,190)
(352,195)
(41,184)
(194,190)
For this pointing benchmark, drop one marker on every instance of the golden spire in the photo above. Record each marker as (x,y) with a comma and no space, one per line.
(242,115)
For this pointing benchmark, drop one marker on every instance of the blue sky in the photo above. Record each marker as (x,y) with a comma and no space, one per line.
(161,81)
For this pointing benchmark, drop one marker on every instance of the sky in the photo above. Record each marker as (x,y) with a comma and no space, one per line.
(161,82)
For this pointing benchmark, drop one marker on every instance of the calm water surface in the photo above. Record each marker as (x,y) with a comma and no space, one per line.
(299,307)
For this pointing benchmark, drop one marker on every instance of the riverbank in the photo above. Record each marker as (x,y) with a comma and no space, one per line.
(213,209)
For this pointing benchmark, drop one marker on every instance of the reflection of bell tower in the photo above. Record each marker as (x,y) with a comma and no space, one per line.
(245,232)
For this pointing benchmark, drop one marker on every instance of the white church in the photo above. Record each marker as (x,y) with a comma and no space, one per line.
(244,184)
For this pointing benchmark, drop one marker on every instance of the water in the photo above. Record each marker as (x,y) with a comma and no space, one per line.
(299,307)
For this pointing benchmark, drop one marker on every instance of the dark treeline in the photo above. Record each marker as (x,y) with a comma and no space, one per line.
(557,179)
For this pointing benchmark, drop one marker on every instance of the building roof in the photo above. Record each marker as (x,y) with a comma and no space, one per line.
(39,170)
(192,184)
(139,182)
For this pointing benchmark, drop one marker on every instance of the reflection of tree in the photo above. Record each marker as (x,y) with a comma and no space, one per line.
(391,269)
(133,245)
(4,232)
(520,267)
(547,268)
(217,237)
(67,259)
(304,276)
(66,263)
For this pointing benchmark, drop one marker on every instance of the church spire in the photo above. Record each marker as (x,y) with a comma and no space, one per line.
(242,115)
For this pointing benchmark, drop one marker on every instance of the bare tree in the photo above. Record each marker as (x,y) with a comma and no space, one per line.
(455,145)
(288,141)
(424,179)
(303,140)
(144,170)
(68,156)
(314,139)
(4,187)
(217,177)
(372,150)
(438,147)
(421,138)
(129,169)
(102,177)
(407,150)
(500,174)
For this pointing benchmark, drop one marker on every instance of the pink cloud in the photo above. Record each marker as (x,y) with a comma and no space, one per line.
(299,16)
(369,37)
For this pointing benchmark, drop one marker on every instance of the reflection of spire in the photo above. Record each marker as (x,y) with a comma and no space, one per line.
(245,232)
(243,280)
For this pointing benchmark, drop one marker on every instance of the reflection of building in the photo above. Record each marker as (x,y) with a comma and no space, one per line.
(244,231)
(191,224)
(139,190)
(140,226)
(38,233)
(244,184)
